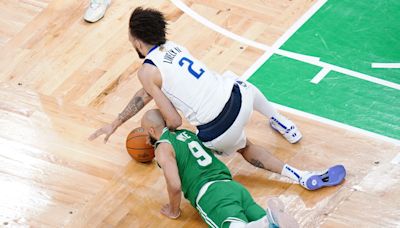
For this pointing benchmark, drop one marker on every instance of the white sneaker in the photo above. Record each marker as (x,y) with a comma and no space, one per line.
(96,10)
(286,128)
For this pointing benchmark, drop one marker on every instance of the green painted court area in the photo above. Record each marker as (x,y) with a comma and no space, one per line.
(350,34)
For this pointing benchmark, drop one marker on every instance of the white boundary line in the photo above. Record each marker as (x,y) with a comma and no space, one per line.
(268,54)
(241,39)
(360,75)
(321,74)
(307,15)
(275,48)
(385,65)
(336,124)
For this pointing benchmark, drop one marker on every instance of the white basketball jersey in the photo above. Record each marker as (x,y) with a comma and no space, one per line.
(200,94)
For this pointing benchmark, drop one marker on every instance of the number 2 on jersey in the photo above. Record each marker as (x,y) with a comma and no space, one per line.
(190,67)
(197,150)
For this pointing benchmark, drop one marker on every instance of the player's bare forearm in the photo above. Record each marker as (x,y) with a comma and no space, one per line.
(173,184)
(165,155)
(138,101)
(136,104)
(175,200)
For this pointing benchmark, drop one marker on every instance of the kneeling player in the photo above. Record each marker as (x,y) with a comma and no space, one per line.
(206,182)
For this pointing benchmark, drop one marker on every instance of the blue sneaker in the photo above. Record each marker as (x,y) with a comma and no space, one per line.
(331,177)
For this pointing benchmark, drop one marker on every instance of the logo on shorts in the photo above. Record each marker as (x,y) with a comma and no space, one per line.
(242,84)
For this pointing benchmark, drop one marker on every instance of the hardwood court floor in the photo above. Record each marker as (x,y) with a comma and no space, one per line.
(62,78)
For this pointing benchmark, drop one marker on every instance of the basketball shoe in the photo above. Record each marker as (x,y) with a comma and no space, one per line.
(316,180)
(286,128)
(96,10)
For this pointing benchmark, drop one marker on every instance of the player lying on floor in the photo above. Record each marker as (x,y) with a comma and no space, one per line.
(191,168)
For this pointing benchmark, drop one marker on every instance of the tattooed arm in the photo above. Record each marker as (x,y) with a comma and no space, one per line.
(138,101)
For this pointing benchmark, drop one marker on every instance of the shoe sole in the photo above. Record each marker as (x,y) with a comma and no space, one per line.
(94,20)
(336,175)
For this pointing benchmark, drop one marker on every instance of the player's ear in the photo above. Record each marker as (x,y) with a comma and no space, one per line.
(151,131)
(139,44)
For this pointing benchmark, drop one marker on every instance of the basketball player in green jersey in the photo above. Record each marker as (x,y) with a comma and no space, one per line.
(191,168)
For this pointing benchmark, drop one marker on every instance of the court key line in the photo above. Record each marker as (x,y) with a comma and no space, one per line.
(385,65)
(271,50)
(275,50)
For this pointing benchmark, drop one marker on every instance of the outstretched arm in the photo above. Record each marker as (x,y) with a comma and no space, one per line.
(139,100)
(166,159)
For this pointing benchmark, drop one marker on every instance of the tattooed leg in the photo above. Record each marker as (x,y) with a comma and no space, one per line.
(257,163)
(261,158)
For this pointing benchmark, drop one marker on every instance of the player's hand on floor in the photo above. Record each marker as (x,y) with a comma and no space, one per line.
(166,210)
(106,130)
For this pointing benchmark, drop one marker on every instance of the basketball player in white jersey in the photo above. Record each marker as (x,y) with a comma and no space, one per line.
(219,106)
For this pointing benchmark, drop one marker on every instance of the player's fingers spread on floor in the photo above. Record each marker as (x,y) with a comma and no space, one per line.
(106,138)
(95,135)
(164,210)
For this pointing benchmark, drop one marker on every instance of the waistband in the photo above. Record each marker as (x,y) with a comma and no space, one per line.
(224,120)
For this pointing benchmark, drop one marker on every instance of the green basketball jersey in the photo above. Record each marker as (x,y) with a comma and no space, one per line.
(197,164)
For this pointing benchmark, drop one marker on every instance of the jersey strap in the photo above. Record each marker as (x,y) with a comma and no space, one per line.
(148,61)
(224,120)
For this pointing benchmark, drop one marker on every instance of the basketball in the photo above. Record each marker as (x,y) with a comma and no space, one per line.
(137,147)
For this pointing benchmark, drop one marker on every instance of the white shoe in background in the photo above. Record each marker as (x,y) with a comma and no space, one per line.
(96,10)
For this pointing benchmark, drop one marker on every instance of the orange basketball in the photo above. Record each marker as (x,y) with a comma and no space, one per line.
(137,147)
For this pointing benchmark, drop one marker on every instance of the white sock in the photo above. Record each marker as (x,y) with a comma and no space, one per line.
(292,173)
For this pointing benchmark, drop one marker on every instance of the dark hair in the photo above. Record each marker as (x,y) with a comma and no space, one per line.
(148,25)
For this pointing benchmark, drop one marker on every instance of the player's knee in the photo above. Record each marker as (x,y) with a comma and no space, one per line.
(243,150)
